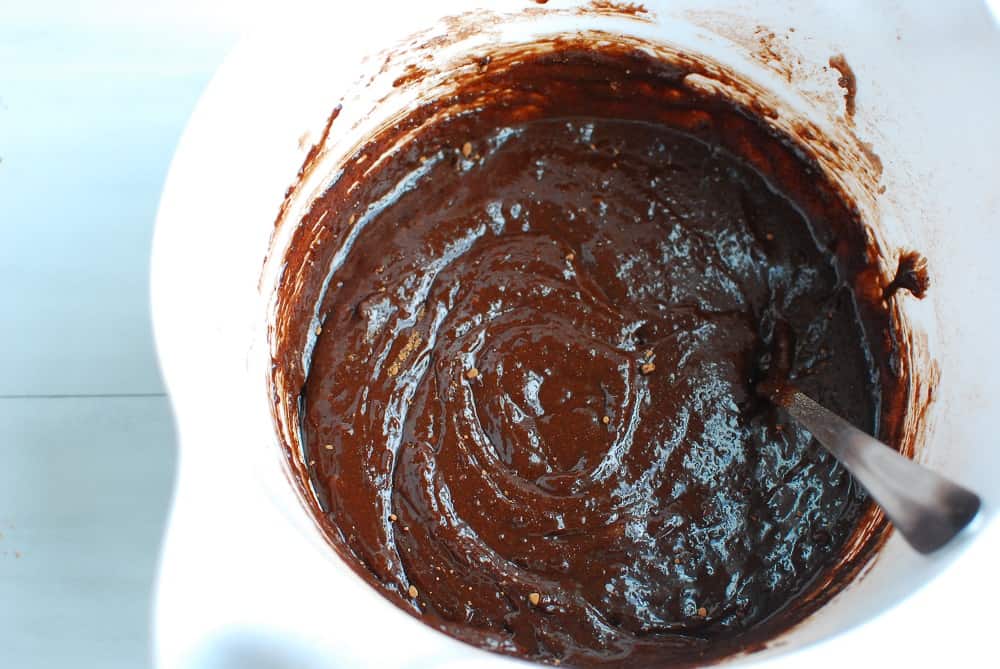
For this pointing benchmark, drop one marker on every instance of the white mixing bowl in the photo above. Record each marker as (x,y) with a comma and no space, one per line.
(246,578)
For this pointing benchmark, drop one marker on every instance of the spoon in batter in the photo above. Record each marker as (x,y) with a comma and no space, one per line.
(927,509)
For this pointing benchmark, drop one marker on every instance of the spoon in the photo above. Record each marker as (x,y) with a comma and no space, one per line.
(926,508)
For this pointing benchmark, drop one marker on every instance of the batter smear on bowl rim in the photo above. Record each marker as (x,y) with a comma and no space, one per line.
(529,410)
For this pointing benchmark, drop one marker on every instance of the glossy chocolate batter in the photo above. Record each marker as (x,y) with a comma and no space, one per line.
(530,412)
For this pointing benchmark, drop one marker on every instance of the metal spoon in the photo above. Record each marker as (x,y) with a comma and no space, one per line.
(927,509)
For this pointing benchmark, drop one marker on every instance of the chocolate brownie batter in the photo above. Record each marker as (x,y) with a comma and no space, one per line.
(530,344)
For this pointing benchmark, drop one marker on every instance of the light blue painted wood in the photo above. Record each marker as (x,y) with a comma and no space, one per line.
(84,490)
(93,98)
(89,118)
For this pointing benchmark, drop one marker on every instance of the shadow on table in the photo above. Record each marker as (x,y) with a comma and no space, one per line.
(254,649)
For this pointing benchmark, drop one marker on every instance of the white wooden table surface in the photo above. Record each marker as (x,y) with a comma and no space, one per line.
(93,98)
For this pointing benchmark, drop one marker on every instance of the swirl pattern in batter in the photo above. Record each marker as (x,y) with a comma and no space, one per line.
(530,412)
